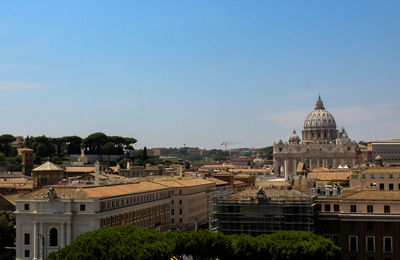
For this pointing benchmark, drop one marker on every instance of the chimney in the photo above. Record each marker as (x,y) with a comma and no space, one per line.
(97,173)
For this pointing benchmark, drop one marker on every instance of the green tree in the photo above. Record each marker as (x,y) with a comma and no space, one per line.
(94,142)
(7,230)
(5,143)
(129,242)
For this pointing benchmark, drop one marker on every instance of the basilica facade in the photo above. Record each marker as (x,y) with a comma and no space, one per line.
(321,145)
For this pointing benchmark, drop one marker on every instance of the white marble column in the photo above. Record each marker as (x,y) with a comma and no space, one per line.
(36,248)
(41,239)
(62,235)
(69,233)
(286,169)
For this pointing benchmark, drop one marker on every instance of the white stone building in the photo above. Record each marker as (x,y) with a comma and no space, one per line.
(50,218)
(322,145)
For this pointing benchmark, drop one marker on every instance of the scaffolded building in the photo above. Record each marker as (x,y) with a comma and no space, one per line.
(262,211)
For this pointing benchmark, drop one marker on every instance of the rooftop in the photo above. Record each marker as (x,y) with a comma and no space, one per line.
(48,166)
(82,192)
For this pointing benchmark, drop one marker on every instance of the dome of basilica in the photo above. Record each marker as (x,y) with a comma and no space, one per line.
(319,117)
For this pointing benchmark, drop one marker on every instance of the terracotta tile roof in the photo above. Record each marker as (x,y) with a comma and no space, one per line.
(64,193)
(275,183)
(117,190)
(329,176)
(184,182)
(320,169)
(237,183)
(74,169)
(218,181)
(48,166)
(394,170)
(249,170)
(242,175)
(96,192)
(223,174)
(374,195)
(11,198)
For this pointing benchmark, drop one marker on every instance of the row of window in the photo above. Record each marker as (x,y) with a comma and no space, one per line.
(140,217)
(173,212)
(52,236)
(82,207)
(173,202)
(381,176)
(370,244)
(353,208)
(119,203)
(370,209)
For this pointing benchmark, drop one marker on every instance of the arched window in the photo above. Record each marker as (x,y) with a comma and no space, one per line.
(53,237)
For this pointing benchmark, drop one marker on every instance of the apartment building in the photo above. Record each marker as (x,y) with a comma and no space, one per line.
(48,219)
(364,219)
(189,202)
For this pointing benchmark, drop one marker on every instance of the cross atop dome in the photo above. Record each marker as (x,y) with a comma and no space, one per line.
(319,104)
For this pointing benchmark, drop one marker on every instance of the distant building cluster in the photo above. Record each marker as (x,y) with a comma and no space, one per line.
(323,182)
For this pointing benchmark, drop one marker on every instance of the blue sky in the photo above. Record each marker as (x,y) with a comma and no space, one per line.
(198,72)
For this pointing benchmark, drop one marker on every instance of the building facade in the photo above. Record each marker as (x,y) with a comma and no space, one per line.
(48,219)
(321,145)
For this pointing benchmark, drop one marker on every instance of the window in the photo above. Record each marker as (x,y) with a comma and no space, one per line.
(353,208)
(387,209)
(387,244)
(53,237)
(327,207)
(172,202)
(83,207)
(172,192)
(391,176)
(390,186)
(381,186)
(388,227)
(363,176)
(318,207)
(180,211)
(370,244)
(180,202)
(27,239)
(353,227)
(353,243)
(27,253)
(43,180)
(382,176)
(370,226)
(372,176)
(26,206)
(180,192)
(172,212)
(180,220)
(336,207)
(370,208)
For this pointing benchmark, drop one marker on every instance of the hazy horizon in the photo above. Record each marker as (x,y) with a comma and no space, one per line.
(199,73)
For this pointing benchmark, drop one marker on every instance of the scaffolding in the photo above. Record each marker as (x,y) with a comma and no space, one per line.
(265,211)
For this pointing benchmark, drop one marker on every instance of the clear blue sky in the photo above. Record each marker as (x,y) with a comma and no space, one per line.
(198,72)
